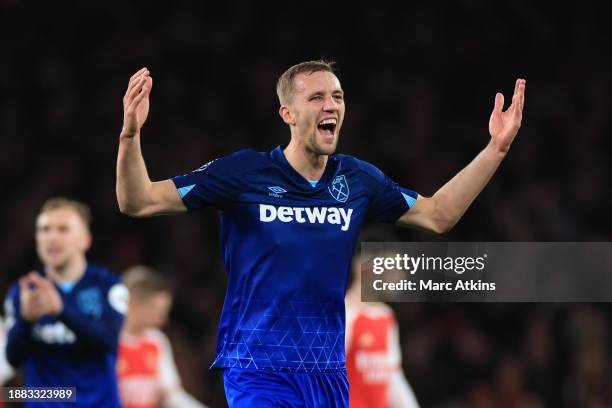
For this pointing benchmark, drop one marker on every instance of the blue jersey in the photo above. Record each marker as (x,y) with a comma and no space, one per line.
(287,248)
(78,348)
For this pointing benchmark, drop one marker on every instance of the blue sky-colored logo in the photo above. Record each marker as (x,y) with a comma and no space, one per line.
(339,189)
(277,189)
(90,302)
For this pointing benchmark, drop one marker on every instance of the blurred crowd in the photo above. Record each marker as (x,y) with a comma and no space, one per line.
(420,80)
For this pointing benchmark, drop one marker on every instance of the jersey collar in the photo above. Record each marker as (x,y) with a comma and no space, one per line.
(42,272)
(331,168)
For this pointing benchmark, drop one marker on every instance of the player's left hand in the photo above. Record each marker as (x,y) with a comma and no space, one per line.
(504,125)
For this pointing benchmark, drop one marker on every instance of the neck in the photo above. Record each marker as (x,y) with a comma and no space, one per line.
(131,326)
(309,164)
(353,296)
(70,272)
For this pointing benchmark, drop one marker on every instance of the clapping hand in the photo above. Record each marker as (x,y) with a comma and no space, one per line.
(38,297)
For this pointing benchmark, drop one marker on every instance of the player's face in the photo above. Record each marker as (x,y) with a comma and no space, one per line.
(152,311)
(318,111)
(61,236)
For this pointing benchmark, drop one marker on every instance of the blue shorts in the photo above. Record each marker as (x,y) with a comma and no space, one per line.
(254,388)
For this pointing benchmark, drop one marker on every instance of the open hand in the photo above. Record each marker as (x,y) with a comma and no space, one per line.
(136,103)
(504,125)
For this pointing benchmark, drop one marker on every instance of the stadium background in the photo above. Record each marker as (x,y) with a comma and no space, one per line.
(419,82)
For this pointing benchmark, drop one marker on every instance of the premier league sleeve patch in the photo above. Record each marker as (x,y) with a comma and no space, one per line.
(118,297)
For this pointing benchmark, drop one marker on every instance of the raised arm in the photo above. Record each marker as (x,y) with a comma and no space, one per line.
(441,212)
(137,196)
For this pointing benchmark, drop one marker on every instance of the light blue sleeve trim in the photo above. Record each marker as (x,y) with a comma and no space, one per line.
(184,190)
(409,200)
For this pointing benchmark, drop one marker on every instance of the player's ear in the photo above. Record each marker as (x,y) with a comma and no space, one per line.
(86,242)
(286,115)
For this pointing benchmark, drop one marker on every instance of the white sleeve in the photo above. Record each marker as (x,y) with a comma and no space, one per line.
(6,371)
(168,374)
(180,399)
(351,314)
(400,392)
(395,351)
(174,396)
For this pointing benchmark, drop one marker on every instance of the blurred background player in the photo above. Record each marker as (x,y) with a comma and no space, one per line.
(373,354)
(63,320)
(147,374)
(6,371)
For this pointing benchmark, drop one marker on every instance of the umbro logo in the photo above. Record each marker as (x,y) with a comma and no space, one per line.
(276,191)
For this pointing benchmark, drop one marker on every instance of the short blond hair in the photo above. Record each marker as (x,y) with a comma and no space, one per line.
(80,208)
(284,85)
(143,281)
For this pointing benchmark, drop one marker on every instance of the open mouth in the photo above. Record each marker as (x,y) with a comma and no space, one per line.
(327,127)
(53,251)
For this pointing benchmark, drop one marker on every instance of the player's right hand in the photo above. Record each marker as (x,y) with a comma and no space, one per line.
(29,304)
(136,103)
(38,297)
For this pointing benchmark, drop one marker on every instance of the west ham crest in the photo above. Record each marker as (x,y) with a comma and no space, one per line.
(90,302)
(339,189)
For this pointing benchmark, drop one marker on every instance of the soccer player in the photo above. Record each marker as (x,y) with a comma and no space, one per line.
(373,353)
(290,220)
(147,374)
(6,371)
(64,320)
